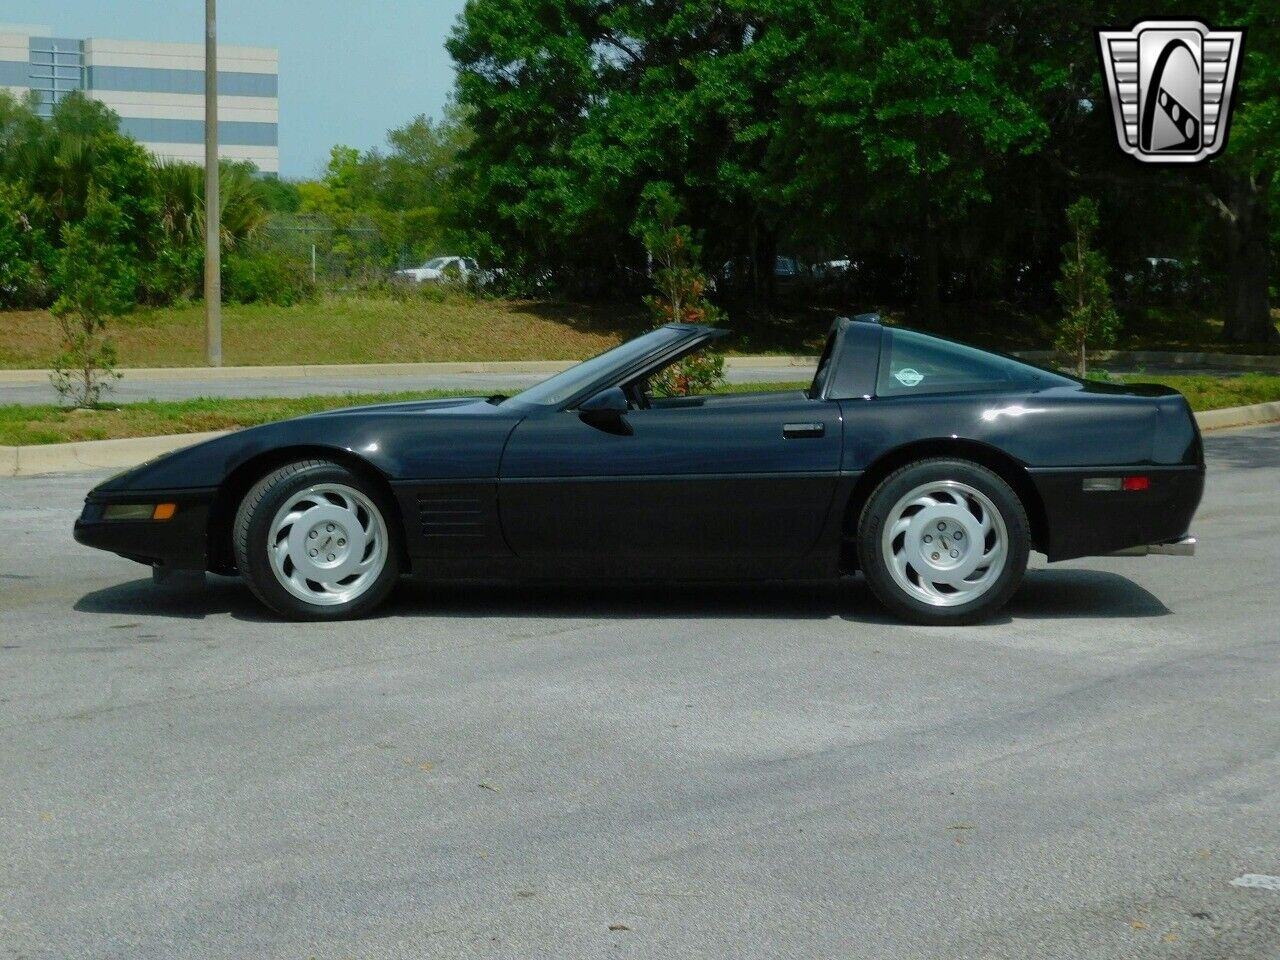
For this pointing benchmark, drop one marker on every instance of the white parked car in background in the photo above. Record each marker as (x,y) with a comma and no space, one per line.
(445,270)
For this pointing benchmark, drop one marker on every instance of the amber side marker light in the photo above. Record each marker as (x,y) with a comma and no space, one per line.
(140,511)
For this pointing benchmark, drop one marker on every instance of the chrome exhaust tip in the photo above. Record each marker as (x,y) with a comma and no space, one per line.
(1186,547)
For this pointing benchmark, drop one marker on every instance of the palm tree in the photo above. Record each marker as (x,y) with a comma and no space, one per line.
(181,191)
(243,214)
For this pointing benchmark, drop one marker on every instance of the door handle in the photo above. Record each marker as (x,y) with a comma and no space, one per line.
(799,431)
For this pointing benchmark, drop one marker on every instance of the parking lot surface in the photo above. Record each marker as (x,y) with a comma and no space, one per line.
(645,771)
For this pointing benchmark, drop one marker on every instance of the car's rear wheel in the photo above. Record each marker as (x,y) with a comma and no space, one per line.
(943,542)
(314,541)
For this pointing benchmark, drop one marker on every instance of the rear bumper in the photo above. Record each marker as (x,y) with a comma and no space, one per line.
(180,543)
(1082,523)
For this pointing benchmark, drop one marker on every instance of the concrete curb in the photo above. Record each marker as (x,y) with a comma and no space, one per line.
(319,371)
(759,362)
(1239,416)
(91,455)
(339,370)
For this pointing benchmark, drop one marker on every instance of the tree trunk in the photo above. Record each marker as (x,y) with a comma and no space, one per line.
(764,251)
(1248,308)
(769,258)
(927,298)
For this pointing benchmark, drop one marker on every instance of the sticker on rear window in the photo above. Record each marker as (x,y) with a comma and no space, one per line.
(908,377)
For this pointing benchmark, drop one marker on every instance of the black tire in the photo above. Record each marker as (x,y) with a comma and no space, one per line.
(251,533)
(875,567)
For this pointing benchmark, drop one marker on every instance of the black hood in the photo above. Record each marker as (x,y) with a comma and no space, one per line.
(413,438)
(436,405)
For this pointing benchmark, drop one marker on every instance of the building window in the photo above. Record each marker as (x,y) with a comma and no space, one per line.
(56,70)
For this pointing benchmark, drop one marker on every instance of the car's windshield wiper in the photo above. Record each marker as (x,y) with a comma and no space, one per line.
(497,398)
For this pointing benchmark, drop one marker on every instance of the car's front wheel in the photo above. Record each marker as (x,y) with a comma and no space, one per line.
(943,541)
(314,541)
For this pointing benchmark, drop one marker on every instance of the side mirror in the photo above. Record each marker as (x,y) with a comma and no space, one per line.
(607,406)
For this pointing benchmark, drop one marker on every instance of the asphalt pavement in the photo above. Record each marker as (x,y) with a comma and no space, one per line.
(565,772)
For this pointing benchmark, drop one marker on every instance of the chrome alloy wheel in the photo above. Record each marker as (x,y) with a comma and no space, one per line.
(945,543)
(328,544)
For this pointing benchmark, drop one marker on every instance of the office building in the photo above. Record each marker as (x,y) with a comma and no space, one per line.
(156,88)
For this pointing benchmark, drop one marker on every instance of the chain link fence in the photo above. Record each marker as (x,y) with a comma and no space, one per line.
(351,255)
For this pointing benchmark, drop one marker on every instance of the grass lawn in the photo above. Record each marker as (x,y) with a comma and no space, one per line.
(21,425)
(1004,326)
(1215,393)
(26,425)
(344,329)
(435,325)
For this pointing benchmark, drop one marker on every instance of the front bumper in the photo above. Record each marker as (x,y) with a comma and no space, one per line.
(180,543)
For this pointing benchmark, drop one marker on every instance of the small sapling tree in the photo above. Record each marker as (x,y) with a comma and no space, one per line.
(96,280)
(680,295)
(1090,320)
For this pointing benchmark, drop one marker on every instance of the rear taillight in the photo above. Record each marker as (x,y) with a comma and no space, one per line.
(1132,484)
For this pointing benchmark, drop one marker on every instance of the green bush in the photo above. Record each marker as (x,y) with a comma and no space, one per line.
(175,275)
(434,292)
(265,276)
(26,255)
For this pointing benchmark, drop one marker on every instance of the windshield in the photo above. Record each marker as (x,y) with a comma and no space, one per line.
(556,390)
(436,264)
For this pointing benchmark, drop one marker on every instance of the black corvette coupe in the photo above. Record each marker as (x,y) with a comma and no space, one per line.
(932,467)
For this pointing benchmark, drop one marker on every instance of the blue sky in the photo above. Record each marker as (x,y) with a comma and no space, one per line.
(349,71)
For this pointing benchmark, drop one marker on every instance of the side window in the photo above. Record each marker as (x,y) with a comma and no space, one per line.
(682,382)
(915,363)
(823,373)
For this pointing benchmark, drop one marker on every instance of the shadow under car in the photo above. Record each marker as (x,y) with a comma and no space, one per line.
(1045,594)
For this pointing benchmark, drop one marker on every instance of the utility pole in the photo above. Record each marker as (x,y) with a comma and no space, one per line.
(212,204)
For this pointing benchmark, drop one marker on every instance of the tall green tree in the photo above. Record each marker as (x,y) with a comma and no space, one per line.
(528,78)
(413,173)
(765,115)
(1242,183)
(57,164)
(401,195)
(918,102)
